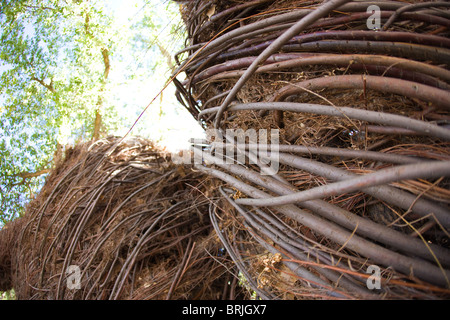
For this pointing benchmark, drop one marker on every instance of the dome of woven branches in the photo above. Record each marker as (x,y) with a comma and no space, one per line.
(133,224)
(359,93)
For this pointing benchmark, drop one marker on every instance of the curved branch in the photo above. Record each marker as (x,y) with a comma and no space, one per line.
(365,115)
(277,44)
(277,62)
(440,98)
(421,269)
(429,169)
(49,87)
(366,227)
(413,7)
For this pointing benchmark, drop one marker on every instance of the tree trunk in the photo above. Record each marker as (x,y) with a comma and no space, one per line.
(98,114)
(97,123)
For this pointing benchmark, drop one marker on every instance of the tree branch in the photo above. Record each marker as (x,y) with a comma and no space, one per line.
(25,175)
(28,175)
(41,8)
(47,86)
(105,54)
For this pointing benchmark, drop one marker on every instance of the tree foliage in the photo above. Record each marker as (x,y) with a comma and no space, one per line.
(70,71)
(55,61)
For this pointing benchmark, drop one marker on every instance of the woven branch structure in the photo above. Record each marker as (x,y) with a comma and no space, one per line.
(357,206)
(117,221)
(359,93)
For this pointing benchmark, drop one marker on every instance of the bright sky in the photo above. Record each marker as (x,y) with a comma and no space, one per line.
(176,126)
